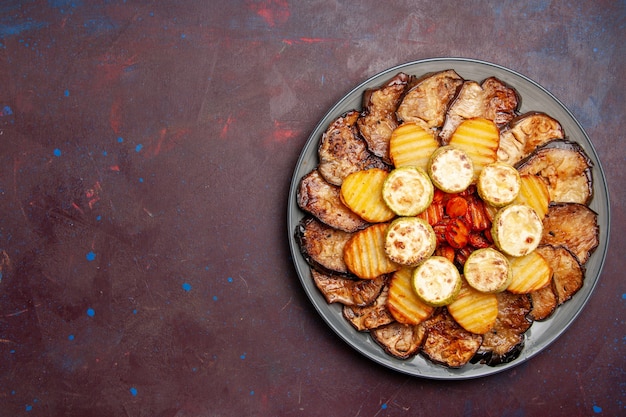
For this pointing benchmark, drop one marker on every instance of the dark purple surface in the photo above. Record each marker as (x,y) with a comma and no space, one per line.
(146,153)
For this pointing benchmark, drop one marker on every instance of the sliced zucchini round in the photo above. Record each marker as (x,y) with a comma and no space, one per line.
(408,191)
(451,169)
(487,270)
(409,240)
(437,281)
(498,184)
(516,229)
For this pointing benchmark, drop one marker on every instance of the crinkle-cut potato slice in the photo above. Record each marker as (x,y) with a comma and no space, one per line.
(479,138)
(399,340)
(370,316)
(346,290)
(429,97)
(525,133)
(364,254)
(529,273)
(568,273)
(361,192)
(412,145)
(323,200)
(474,310)
(574,226)
(534,193)
(405,306)
(447,342)
(342,151)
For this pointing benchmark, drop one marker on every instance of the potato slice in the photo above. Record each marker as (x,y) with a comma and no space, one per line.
(479,138)
(364,254)
(475,311)
(405,306)
(534,193)
(412,145)
(529,273)
(361,192)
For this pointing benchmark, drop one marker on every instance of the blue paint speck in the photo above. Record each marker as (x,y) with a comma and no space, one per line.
(135,311)
(183,36)
(243,356)
(90,256)
(57,152)
(120,139)
(29,407)
(6,111)
(597,409)
(66,93)
(230,279)
(140,179)
(104,153)
(70,337)
(138,147)
(91,312)
(623,296)
(215,298)
(384,406)
(252,392)
(133,391)
(98,218)
(186,286)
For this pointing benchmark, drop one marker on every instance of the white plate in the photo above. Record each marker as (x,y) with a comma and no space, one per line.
(541,334)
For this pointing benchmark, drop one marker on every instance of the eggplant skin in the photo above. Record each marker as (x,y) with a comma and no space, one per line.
(568,274)
(321,199)
(574,226)
(401,341)
(544,303)
(347,291)
(565,167)
(321,245)
(378,120)
(342,151)
(505,341)
(447,343)
(370,316)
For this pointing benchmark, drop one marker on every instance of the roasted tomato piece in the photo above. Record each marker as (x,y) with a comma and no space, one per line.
(456,207)
(457,233)
(478,241)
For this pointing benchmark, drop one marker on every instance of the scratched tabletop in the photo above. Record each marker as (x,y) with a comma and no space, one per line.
(146,155)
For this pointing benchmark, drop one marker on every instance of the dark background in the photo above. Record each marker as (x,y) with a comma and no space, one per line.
(146,150)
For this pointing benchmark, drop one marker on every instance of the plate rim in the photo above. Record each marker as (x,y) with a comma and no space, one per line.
(440,373)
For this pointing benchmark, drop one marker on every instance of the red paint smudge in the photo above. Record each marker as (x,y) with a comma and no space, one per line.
(166,139)
(274,12)
(226,126)
(115,168)
(306,40)
(115,116)
(282,133)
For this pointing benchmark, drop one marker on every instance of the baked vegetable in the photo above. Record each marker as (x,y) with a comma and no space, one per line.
(474,310)
(451,169)
(399,340)
(498,184)
(479,138)
(534,193)
(321,245)
(543,303)
(408,191)
(322,200)
(529,273)
(412,145)
(437,281)
(429,97)
(342,151)
(348,291)
(487,270)
(364,254)
(447,342)
(370,316)
(566,169)
(361,192)
(516,230)
(409,241)
(378,119)
(403,304)
(574,226)
(568,274)
(525,133)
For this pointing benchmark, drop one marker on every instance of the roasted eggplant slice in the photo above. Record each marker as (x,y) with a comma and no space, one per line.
(574,226)
(543,302)
(447,343)
(428,100)
(399,340)
(342,151)
(370,316)
(321,199)
(347,291)
(505,341)
(568,273)
(526,133)
(493,100)
(321,245)
(565,167)
(378,119)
